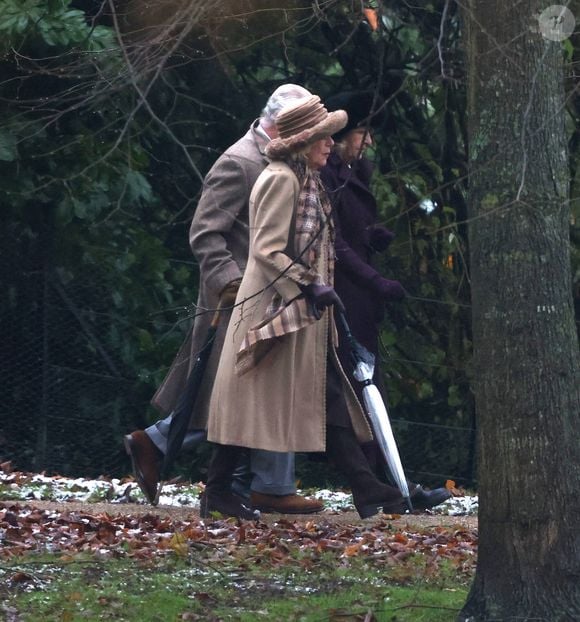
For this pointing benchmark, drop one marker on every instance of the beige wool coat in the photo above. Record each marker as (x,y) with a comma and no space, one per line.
(219,239)
(278,405)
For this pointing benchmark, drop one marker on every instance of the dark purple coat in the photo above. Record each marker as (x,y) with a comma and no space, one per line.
(355,216)
(355,212)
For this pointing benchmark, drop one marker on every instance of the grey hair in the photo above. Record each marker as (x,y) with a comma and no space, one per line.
(280,98)
(340,147)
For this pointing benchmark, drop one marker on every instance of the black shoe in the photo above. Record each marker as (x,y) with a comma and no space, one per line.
(426,499)
(225,504)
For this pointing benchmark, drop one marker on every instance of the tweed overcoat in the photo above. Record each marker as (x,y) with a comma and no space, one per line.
(279,404)
(219,239)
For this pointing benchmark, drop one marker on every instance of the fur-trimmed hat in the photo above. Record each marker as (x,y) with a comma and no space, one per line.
(364,109)
(303,123)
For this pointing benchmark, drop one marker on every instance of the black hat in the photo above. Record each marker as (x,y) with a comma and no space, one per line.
(358,106)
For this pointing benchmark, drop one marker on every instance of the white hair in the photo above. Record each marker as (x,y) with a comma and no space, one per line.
(280,98)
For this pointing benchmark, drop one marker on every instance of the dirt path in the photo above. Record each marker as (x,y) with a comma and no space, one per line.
(413,521)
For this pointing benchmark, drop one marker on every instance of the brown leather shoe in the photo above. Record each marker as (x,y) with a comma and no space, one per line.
(146,460)
(285,504)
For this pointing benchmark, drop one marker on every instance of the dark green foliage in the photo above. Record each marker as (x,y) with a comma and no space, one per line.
(84,228)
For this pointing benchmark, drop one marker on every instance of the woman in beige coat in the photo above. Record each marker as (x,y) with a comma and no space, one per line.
(279,375)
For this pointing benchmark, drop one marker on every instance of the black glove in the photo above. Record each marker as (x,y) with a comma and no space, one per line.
(380,238)
(388,290)
(320,297)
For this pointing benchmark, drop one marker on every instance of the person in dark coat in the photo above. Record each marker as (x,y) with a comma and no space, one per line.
(362,289)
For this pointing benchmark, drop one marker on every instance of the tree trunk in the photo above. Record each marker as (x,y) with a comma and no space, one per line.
(526,371)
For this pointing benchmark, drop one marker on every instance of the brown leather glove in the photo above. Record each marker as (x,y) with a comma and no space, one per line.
(229,293)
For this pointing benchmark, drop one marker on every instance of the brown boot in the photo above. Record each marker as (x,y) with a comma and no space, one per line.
(146,460)
(285,504)
(370,496)
(377,464)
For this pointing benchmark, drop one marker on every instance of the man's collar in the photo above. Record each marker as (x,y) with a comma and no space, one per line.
(342,169)
(358,173)
(262,139)
(261,131)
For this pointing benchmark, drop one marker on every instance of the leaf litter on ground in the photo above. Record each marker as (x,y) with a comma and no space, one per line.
(26,529)
(295,549)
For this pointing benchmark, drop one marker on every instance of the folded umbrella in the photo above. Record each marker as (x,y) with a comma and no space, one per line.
(364,367)
(181,416)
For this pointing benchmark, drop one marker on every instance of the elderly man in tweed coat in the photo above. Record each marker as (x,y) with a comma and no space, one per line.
(219,239)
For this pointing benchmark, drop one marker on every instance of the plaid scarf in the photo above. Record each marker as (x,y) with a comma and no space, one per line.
(313,214)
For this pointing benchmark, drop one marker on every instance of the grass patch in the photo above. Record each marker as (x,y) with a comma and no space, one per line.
(386,604)
(203,586)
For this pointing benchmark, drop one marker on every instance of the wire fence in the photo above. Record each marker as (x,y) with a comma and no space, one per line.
(67,399)
(65,403)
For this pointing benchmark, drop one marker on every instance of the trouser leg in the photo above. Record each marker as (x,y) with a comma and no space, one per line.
(374,457)
(273,472)
(370,495)
(159,432)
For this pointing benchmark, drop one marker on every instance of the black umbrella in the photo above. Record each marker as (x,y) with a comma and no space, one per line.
(364,366)
(181,416)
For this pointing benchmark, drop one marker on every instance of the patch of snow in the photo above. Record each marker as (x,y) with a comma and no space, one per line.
(180,495)
(458,506)
(334,500)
